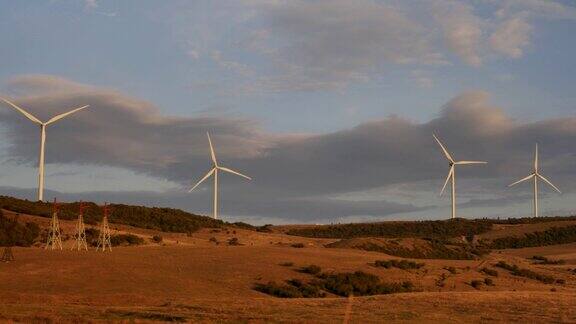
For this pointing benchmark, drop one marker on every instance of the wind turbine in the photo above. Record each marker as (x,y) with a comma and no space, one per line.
(535,175)
(214,170)
(452,173)
(42,139)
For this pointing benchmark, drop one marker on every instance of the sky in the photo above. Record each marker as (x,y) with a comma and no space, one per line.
(330,105)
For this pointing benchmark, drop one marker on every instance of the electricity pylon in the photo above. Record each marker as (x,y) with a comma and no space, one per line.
(7,256)
(54,235)
(104,238)
(80,231)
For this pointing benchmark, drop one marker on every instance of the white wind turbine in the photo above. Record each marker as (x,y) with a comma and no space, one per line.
(452,173)
(42,139)
(535,175)
(214,170)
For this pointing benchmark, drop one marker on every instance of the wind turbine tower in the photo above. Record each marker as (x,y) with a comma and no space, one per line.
(535,175)
(452,173)
(54,234)
(43,126)
(215,169)
(80,230)
(104,238)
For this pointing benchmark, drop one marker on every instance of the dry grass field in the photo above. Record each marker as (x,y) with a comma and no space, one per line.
(194,279)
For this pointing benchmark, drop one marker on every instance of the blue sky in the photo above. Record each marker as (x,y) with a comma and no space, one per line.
(288,71)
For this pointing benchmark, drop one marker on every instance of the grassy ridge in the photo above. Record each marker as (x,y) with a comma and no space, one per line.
(162,219)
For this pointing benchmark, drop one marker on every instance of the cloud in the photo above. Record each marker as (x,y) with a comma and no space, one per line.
(462,29)
(295,176)
(511,36)
(330,44)
(90,4)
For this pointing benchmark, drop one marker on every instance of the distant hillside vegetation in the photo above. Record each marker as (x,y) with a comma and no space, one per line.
(14,233)
(162,219)
(418,229)
(552,236)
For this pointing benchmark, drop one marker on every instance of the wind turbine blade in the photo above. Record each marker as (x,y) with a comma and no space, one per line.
(234,172)
(202,180)
(212,150)
(548,182)
(522,180)
(536,159)
(448,156)
(470,162)
(450,174)
(57,118)
(24,112)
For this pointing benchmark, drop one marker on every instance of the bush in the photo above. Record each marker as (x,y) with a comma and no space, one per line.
(311,269)
(13,233)
(476,283)
(400,264)
(234,242)
(157,239)
(560,281)
(488,282)
(362,284)
(282,291)
(297,245)
(307,290)
(125,239)
(516,271)
(490,272)
(452,270)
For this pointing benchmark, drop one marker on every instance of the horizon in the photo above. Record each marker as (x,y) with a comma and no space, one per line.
(333,118)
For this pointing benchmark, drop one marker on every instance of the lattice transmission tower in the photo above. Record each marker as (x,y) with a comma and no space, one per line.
(104,238)
(80,230)
(7,256)
(54,235)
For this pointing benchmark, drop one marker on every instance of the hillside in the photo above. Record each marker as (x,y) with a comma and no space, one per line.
(163,219)
(213,275)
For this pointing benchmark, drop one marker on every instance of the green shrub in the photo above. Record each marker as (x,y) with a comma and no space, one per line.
(490,272)
(234,242)
(157,239)
(452,270)
(516,271)
(282,291)
(125,239)
(476,283)
(400,264)
(311,269)
(488,282)
(307,290)
(362,284)
(14,233)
